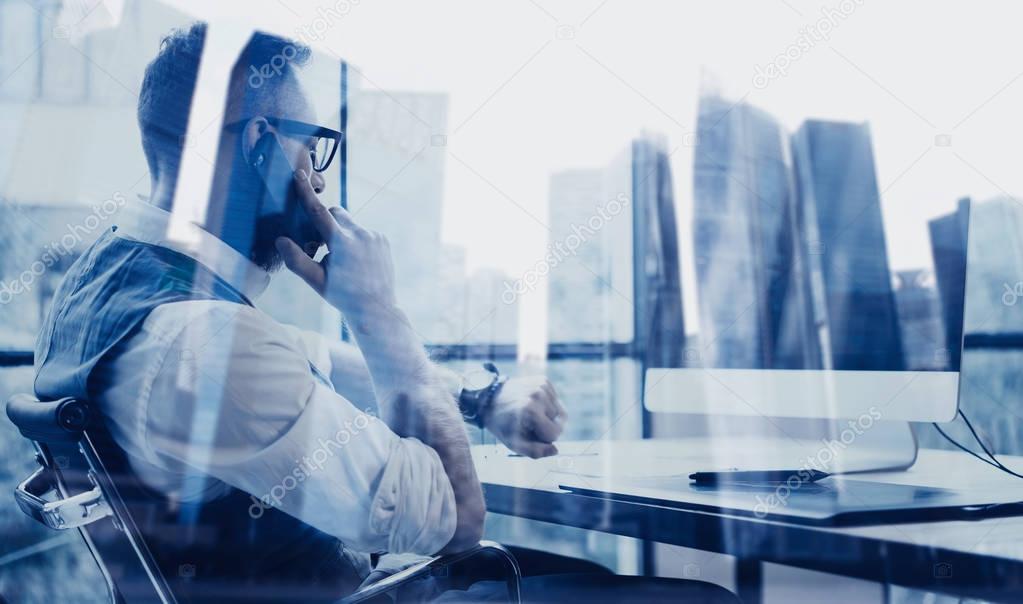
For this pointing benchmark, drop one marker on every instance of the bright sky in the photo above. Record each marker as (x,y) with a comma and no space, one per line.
(538,87)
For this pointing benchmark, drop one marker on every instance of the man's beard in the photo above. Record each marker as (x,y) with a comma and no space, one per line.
(269,228)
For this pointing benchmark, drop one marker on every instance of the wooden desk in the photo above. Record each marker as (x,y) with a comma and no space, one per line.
(982,559)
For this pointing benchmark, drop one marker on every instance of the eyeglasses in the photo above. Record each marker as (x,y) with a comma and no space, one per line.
(323,142)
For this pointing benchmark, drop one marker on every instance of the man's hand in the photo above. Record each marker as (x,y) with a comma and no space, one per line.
(527,416)
(358,273)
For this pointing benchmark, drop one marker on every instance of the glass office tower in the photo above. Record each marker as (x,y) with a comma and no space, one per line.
(613,239)
(843,230)
(659,324)
(397,169)
(923,331)
(752,282)
(579,285)
(948,248)
(614,285)
(994,295)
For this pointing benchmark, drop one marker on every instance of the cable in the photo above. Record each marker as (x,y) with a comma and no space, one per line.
(983,446)
(953,441)
(994,462)
(977,437)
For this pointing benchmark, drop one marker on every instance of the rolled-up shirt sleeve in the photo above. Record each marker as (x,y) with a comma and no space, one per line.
(289,440)
(410,521)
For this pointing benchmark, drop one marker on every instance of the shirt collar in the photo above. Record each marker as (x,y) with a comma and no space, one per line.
(147,223)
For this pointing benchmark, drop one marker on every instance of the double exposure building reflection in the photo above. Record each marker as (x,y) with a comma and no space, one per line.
(791,260)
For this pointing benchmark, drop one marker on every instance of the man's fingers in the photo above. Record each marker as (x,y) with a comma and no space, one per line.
(343,217)
(535,450)
(562,412)
(544,428)
(324,222)
(548,450)
(301,264)
(548,387)
(553,407)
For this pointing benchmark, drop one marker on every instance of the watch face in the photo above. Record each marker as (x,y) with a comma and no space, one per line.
(477,379)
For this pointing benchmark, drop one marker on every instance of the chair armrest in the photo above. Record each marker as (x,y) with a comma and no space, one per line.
(428,567)
(62,420)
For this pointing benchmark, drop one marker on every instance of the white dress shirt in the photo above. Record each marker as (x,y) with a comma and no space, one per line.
(211,395)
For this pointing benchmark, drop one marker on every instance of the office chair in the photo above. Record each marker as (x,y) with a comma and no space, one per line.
(77,488)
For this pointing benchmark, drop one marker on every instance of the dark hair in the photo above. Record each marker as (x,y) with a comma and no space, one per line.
(169,84)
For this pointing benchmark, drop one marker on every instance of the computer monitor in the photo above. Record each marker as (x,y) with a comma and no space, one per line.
(803,313)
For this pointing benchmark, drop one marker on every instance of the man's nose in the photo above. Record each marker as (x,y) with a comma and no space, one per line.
(319,185)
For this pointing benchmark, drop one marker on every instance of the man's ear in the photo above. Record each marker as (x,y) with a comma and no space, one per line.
(254,129)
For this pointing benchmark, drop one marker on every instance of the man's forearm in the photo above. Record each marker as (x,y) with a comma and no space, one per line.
(393,354)
(350,375)
(415,401)
(452,446)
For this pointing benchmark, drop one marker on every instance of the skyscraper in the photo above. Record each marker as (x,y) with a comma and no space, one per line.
(579,282)
(753,290)
(948,248)
(451,325)
(994,294)
(619,281)
(659,327)
(616,280)
(396,185)
(490,318)
(923,331)
(843,231)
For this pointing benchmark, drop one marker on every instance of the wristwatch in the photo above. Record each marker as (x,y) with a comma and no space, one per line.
(479,389)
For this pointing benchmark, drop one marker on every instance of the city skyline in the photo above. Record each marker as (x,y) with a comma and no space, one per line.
(409,166)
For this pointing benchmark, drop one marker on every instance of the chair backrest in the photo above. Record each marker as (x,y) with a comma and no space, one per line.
(77,488)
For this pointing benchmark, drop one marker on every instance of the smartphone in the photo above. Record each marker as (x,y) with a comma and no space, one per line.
(278,201)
